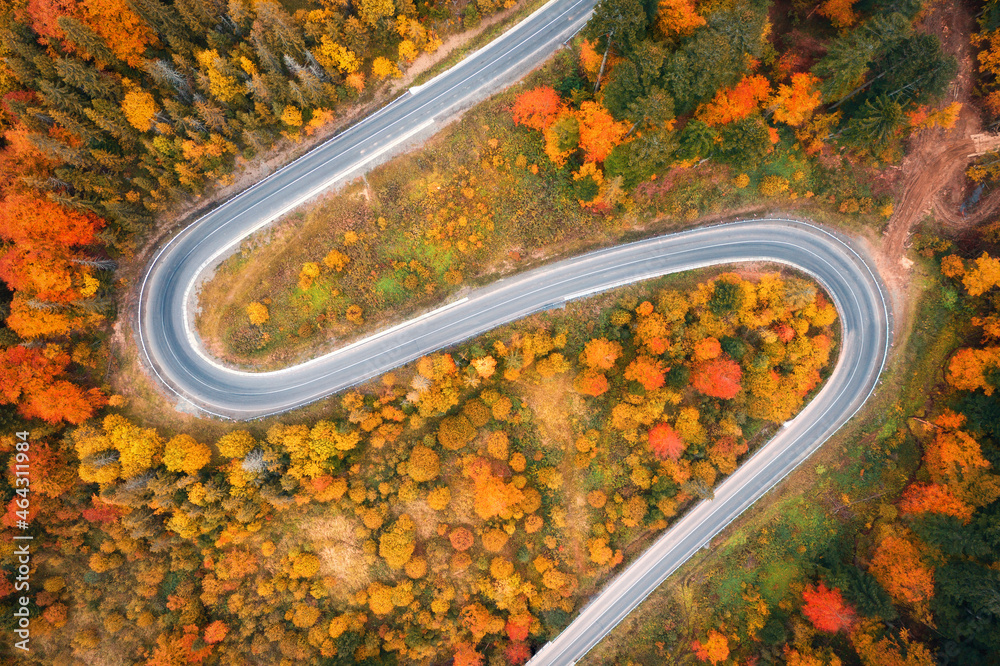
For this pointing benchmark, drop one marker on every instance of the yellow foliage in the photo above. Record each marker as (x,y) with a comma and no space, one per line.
(139,108)
(439,498)
(184,454)
(258,314)
(292,116)
(383,67)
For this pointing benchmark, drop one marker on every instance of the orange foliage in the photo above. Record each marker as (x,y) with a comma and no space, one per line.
(794,104)
(599,131)
(983,275)
(953,454)
(112,20)
(177,649)
(889,650)
(601,354)
(933,498)
(493,497)
(122,30)
(678,17)
(826,609)
(839,12)
(968,368)
(590,59)
(537,108)
(924,118)
(591,383)
(665,443)
(898,568)
(26,218)
(461,539)
(714,650)
(215,632)
(719,378)
(737,102)
(466,655)
(28,378)
(646,370)
(707,349)
(30,322)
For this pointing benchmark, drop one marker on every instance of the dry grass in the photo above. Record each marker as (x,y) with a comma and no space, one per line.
(557,408)
(340,553)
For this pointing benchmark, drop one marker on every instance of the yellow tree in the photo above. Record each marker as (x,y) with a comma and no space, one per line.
(183,454)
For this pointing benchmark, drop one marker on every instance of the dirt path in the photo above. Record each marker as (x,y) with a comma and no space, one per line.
(934,169)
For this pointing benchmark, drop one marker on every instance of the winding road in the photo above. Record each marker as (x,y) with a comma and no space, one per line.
(173,352)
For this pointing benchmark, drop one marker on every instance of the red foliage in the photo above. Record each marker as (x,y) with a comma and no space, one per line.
(719,378)
(517,653)
(537,108)
(517,628)
(100,512)
(45,13)
(826,609)
(10,518)
(26,218)
(785,332)
(28,378)
(665,443)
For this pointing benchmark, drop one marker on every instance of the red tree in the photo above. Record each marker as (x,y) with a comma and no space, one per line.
(826,609)
(665,443)
(537,108)
(26,218)
(719,378)
(28,379)
(517,653)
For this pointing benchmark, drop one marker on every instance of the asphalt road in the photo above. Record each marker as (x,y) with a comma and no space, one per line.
(172,350)
(167,339)
(866,323)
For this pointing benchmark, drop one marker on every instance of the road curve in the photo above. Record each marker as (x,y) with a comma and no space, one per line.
(171,348)
(168,343)
(850,278)
(177,357)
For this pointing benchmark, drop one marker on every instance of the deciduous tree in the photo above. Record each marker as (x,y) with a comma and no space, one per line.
(537,108)
(826,608)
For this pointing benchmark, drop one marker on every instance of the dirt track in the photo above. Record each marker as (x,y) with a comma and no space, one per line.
(933,173)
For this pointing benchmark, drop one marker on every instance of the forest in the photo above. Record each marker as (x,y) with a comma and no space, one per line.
(463,508)
(456,510)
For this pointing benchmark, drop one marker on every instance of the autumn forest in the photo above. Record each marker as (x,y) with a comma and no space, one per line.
(462,509)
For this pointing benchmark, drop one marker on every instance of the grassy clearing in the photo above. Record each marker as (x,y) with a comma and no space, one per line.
(480,200)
